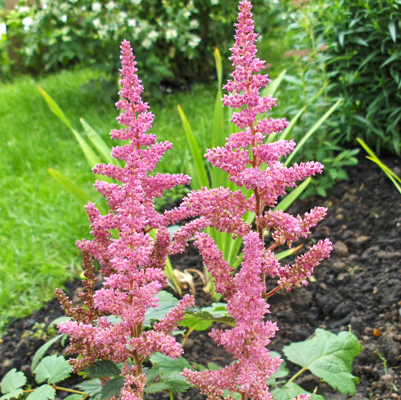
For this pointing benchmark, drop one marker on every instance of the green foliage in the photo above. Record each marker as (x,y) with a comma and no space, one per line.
(53,369)
(166,302)
(363,40)
(290,391)
(373,157)
(173,39)
(12,383)
(44,392)
(200,319)
(103,369)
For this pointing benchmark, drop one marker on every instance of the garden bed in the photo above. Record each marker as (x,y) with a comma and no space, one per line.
(358,288)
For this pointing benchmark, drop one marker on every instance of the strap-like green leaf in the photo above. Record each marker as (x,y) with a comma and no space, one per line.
(196,154)
(53,369)
(12,381)
(44,392)
(218,136)
(74,190)
(90,155)
(99,143)
(271,89)
(287,253)
(291,197)
(168,270)
(311,131)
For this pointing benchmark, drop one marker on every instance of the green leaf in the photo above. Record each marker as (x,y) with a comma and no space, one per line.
(12,381)
(103,369)
(91,387)
(199,319)
(168,270)
(42,350)
(196,154)
(98,142)
(157,387)
(328,356)
(290,391)
(394,57)
(53,368)
(112,388)
(167,364)
(2,4)
(74,190)
(392,30)
(311,131)
(281,372)
(271,89)
(287,253)
(15,394)
(54,108)
(218,137)
(291,197)
(176,381)
(44,392)
(166,302)
(213,366)
(74,397)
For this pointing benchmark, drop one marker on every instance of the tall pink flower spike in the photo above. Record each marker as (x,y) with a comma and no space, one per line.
(246,292)
(132,265)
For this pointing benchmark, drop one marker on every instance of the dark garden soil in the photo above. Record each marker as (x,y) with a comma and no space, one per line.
(358,288)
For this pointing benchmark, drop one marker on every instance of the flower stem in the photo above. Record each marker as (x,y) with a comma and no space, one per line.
(190,330)
(296,375)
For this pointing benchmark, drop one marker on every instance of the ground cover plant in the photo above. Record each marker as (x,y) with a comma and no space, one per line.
(112,326)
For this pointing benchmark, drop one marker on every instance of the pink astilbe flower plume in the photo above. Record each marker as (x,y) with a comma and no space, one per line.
(255,165)
(132,263)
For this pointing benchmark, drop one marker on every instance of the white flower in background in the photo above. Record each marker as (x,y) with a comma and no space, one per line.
(136,2)
(83,8)
(102,33)
(96,7)
(152,35)
(96,22)
(3,29)
(146,43)
(22,9)
(132,22)
(171,33)
(194,24)
(194,41)
(27,22)
(214,2)
(110,5)
(186,14)
(121,16)
(63,18)
(137,30)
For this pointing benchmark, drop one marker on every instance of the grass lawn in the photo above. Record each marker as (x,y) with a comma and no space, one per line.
(39,221)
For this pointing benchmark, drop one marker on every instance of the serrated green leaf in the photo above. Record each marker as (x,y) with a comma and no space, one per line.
(200,319)
(281,372)
(328,356)
(151,373)
(91,387)
(103,369)
(290,391)
(167,364)
(175,380)
(166,302)
(12,395)
(112,388)
(44,392)
(12,381)
(42,350)
(157,387)
(74,397)
(53,368)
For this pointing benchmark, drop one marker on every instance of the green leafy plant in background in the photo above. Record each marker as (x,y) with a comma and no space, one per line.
(309,82)
(215,177)
(173,39)
(373,157)
(363,43)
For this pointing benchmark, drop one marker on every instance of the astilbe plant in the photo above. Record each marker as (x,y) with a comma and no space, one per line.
(132,265)
(256,166)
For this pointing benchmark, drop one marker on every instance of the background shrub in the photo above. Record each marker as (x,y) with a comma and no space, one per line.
(172,39)
(364,50)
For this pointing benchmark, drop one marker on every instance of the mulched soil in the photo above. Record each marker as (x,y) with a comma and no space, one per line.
(358,288)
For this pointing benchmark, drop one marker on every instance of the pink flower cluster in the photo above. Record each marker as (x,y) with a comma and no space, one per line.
(132,264)
(255,165)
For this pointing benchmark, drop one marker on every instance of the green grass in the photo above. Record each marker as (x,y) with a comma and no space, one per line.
(39,221)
